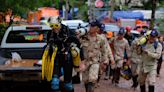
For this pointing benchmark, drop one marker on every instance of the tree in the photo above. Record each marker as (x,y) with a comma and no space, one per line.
(127,2)
(154,3)
(21,7)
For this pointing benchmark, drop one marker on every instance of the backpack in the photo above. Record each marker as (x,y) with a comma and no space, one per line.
(155,47)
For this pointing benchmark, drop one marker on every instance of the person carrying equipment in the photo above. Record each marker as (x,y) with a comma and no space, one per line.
(95,52)
(151,51)
(61,54)
(119,54)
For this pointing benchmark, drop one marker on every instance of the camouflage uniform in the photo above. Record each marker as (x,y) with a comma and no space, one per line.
(109,55)
(135,61)
(94,52)
(135,58)
(119,47)
(119,51)
(149,63)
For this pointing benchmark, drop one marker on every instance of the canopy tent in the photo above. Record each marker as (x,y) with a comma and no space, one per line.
(127,15)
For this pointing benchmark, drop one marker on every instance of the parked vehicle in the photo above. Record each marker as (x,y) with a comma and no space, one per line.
(28,41)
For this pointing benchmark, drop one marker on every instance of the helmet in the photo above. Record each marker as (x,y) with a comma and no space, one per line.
(121,31)
(54,21)
(109,34)
(98,24)
(154,33)
(128,28)
(82,31)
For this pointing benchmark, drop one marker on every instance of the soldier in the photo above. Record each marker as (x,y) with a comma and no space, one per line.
(136,59)
(151,51)
(109,52)
(128,35)
(109,71)
(160,60)
(61,38)
(120,46)
(94,53)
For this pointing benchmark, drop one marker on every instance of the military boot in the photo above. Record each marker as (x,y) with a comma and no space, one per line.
(151,88)
(135,82)
(142,88)
(90,87)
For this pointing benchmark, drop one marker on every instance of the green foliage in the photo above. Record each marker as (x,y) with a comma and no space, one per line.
(83,12)
(148,5)
(2,30)
(161,3)
(161,26)
(21,7)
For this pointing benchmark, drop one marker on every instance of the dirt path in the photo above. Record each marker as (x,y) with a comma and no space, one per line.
(124,86)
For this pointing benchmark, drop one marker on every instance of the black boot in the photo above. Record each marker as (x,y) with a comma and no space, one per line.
(142,88)
(86,87)
(116,76)
(135,82)
(90,87)
(151,88)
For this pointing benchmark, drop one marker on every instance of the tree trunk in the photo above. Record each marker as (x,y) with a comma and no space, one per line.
(154,2)
(91,10)
(67,9)
(127,2)
(112,8)
(73,6)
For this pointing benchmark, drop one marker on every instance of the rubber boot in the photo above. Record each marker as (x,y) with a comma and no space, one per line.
(117,75)
(86,87)
(151,88)
(135,82)
(90,87)
(142,88)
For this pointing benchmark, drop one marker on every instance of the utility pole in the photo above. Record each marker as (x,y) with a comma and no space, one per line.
(154,4)
(67,9)
(112,4)
(91,10)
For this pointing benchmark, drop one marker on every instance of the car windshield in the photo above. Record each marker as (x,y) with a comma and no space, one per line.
(31,36)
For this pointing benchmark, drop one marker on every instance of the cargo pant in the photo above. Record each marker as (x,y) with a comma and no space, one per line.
(116,73)
(135,69)
(91,73)
(150,76)
(90,77)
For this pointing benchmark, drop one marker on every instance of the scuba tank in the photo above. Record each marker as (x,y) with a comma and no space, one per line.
(75,52)
(48,63)
(143,39)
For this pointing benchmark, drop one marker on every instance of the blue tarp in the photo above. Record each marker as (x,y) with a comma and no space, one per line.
(127,15)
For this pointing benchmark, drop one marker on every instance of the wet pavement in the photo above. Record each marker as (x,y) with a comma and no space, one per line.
(124,85)
(105,86)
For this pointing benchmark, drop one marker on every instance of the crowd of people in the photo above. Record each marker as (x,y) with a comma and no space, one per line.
(104,52)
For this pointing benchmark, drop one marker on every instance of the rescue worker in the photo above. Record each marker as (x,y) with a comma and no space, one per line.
(63,39)
(109,70)
(160,60)
(94,53)
(109,52)
(128,35)
(136,59)
(151,51)
(120,46)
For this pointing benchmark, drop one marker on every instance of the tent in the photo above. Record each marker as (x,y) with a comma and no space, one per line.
(127,15)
